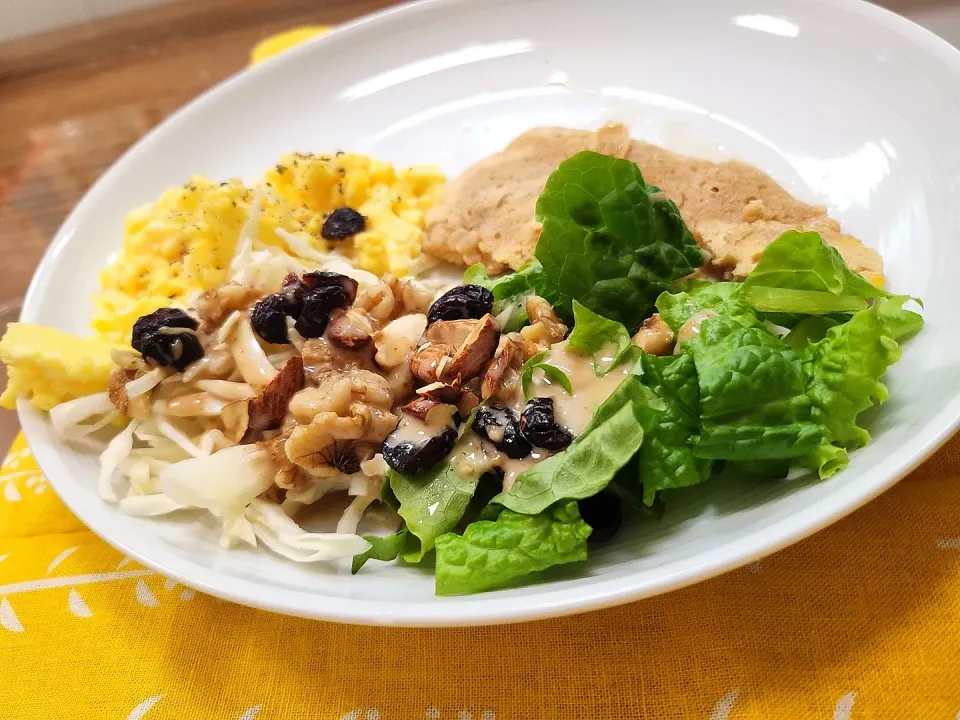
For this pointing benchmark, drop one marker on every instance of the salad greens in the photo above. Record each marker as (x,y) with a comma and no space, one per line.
(605,341)
(769,374)
(667,458)
(383,548)
(431,505)
(492,553)
(801,273)
(582,470)
(552,373)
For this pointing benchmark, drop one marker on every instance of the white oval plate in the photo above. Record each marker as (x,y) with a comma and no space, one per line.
(842,102)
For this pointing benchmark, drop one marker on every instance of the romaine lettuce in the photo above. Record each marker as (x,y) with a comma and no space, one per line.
(609,240)
(383,548)
(431,505)
(800,273)
(492,553)
(510,292)
(583,469)
(844,369)
(753,401)
(667,459)
(603,340)
(723,298)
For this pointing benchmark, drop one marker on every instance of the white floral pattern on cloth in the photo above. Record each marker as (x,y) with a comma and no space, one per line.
(69,600)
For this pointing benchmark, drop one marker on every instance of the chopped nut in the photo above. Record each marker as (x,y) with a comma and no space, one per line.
(378,301)
(429,361)
(654,336)
(137,407)
(415,296)
(347,413)
(475,352)
(420,407)
(503,373)
(441,392)
(542,313)
(450,332)
(468,401)
(398,339)
(350,329)
(215,305)
(288,475)
(267,410)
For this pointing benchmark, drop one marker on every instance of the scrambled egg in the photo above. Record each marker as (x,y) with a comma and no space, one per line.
(50,367)
(183,244)
(393,201)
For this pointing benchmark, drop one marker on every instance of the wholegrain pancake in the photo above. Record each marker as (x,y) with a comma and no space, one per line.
(733,209)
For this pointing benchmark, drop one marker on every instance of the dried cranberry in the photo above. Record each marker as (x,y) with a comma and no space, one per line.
(269,318)
(540,428)
(317,307)
(501,426)
(343,223)
(168,338)
(464,302)
(416,458)
(602,513)
(314,280)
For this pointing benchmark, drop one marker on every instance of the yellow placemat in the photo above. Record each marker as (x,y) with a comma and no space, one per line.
(860,621)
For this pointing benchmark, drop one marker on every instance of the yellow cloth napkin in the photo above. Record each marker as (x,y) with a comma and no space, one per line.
(860,621)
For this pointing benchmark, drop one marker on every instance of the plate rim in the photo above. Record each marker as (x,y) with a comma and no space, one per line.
(487,608)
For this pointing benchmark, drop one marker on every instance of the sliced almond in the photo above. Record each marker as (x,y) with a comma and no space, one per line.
(350,329)
(450,332)
(267,410)
(441,392)
(429,361)
(475,352)
(420,407)
(512,352)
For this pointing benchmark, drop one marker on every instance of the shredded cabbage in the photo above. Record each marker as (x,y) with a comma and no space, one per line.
(351,517)
(145,383)
(282,535)
(116,452)
(69,418)
(168,430)
(148,505)
(251,360)
(226,481)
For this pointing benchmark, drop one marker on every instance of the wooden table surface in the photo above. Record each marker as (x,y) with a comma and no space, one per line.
(73,100)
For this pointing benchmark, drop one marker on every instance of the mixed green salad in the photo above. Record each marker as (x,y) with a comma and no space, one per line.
(771,375)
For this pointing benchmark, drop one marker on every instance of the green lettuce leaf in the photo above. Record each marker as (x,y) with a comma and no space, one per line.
(604,341)
(844,369)
(800,273)
(723,298)
(753,401)
(510,291)
(492,554)
(383,548)
(609,240)
(583,469)
(554,374)
(667,457)
(431,505)
(811,329)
